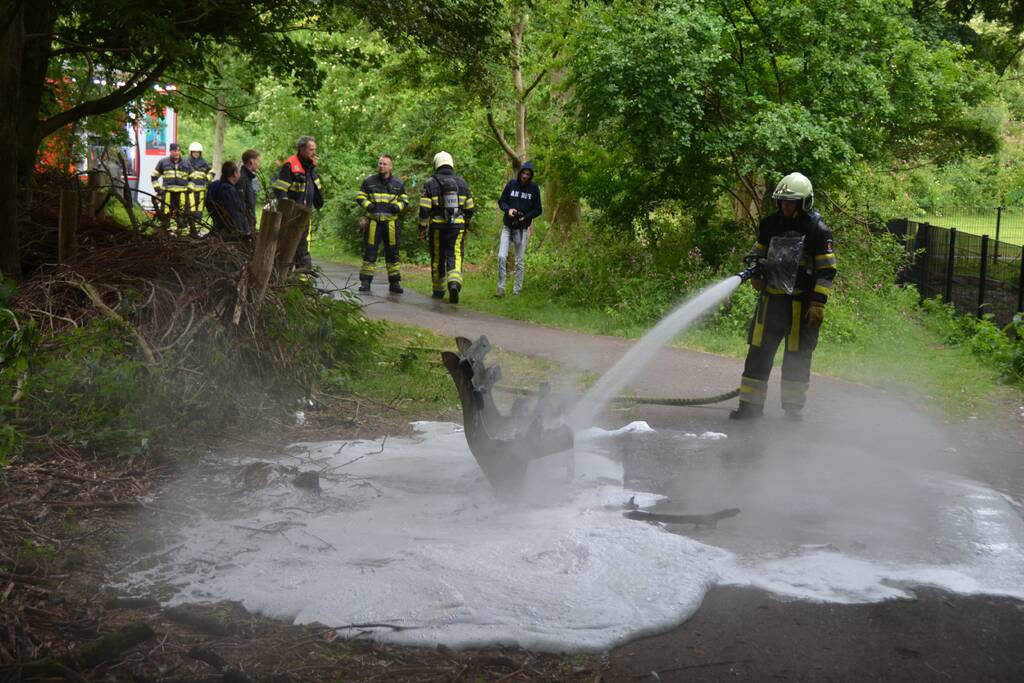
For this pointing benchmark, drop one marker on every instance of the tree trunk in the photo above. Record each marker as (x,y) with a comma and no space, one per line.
(749,199)
(218,136)
(562,209)
(12,41)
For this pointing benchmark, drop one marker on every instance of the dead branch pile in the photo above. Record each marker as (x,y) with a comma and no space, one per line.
(164,291)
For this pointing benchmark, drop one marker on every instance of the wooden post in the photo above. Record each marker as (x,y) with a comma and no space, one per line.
(67,230)
(262,264)
(96,198)
(294,222)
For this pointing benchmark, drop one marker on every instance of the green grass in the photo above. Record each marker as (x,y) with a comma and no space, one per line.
(1011,229)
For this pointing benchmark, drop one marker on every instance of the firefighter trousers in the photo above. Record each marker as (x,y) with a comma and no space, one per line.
(779,318)
(172,205)
(447,251)
(387,233)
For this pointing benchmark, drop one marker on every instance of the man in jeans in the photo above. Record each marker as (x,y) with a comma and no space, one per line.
(520,204)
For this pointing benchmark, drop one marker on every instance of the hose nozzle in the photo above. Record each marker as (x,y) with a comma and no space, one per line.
(755,268)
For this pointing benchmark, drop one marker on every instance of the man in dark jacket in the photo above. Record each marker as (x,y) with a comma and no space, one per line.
(225,204)
(383,198)
(800,266)
(445,208)
(249,187)
(520,204)
(170,183)
(299,181)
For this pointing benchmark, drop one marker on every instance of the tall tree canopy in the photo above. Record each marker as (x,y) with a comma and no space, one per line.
(688,101)
(137,44)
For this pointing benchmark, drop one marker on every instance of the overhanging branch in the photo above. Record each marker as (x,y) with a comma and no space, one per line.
(500,137)
(139,83)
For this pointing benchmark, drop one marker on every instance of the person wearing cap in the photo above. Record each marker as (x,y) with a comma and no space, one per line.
(299,181)
(799,265)
(446,206)
(199,177)
(382,196)
(170,183)
(519,204)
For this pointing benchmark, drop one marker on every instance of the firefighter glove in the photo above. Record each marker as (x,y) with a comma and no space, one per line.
(815,314)
(757,283)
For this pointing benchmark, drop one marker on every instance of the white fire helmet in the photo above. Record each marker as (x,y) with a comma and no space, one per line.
(195,147)
(443,159)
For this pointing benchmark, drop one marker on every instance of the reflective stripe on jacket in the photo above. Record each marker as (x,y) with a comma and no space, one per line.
(382,198)
(171,176)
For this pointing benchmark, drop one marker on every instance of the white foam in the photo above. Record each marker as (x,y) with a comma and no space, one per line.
(414,537)
(407,532)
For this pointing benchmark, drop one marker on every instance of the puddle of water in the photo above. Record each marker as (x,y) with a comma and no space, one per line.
(408,533)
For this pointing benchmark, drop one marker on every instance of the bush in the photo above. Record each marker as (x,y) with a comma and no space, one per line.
(1002,347)
(92,386)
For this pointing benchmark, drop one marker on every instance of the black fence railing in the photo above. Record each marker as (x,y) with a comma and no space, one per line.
(976,273)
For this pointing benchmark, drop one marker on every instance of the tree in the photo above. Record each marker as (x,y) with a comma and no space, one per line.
(136,45)
(684,101)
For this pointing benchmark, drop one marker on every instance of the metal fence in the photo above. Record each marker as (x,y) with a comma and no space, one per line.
(977,273)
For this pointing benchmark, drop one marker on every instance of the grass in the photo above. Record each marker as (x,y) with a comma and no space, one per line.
(410,378)
(1011,229)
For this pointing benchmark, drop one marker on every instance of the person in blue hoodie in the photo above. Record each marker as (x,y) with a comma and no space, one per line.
(520,203)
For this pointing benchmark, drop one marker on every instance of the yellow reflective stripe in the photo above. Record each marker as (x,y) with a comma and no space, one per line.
(392,232)
(403,199)
(317,183)
(794,392)
(280,184)
(436,280)
(822,289)
(823,261)
(757,336)
(382,197)
(469,203)
(425,203)
(793,342)
(753,390)
(456,274)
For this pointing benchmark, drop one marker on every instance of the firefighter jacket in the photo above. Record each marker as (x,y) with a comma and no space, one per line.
(818,261)
(383,198)
(432,208)
(300,182)
(524,198)
(171,176)
(200,173)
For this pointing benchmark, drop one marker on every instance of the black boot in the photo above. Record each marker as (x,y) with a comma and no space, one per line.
(437,295)
(453,293)
(747,411)
(395,287)
(364,284)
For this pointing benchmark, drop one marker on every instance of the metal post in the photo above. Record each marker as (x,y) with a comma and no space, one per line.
(947,293)
(999,220)
(1020,283)
(983,275)
(924,231)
